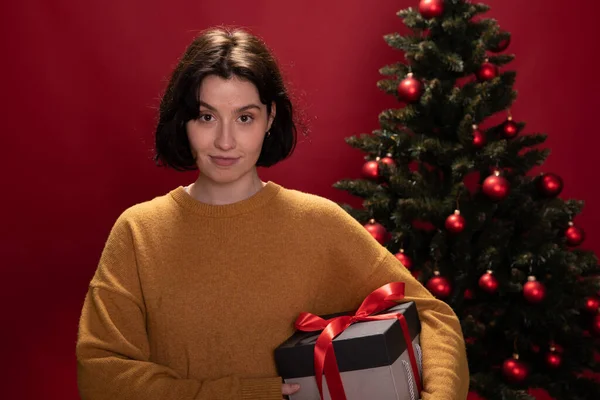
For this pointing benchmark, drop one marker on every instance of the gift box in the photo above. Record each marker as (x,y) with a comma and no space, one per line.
(373,358)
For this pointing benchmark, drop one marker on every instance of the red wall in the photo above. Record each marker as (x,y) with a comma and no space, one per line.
(80,87)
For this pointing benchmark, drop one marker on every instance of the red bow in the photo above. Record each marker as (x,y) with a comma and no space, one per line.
(381,299)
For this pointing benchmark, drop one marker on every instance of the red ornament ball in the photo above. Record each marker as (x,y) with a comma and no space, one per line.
(410,89)
(377,231)
(455,223)
(596,325)
(592,304)
(509,129)
(534,291)
(370,170)
(389,161)
(479,139)
(553,360)
(575,235)
(515,371)
(487,71)
(404,259)
(496,187)
(439,286)
(431,8)
(500,46)
(488,282)
(550,185)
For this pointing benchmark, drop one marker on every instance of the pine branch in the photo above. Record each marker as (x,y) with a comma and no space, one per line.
(478,55)
(501,59)
(432,92)
(428,56)
(427,145)
(476,9)
(461,167)
(400,42)
(521,142)
(371,144)
(396,69)
(456,26)
(488,27)
(388,86)
(495,150)
(454,62)
(465,131)
(574,207)
(575,389)
(359,187)
(403,186)
(492,388)
(483,99)
(527,161)
(586,263)
(425,207)
(412,19)
(399,116)
(455,97)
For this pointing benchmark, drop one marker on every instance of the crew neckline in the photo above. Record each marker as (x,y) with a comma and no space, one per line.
(257,200)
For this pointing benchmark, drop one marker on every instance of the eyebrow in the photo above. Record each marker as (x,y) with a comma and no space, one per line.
(238,110)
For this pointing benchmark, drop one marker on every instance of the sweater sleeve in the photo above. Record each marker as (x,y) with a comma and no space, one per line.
(445,367)
(359,266)
(113,352)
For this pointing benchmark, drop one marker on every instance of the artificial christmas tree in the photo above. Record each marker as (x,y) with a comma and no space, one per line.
(503,253)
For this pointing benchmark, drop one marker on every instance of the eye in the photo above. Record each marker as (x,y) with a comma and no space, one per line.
(246,119)
(205,117)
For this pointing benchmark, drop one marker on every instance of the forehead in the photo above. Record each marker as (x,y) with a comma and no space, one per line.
(234,92)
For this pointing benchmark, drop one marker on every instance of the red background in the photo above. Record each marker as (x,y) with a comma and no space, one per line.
(81,82)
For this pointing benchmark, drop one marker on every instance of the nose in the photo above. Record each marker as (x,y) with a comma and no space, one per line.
(225,139)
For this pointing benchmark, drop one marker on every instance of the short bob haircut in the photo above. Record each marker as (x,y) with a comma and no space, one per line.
(225,53)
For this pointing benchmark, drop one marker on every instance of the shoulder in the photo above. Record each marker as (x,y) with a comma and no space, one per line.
(348,247)
(308,203)
(146,213)
(317,209)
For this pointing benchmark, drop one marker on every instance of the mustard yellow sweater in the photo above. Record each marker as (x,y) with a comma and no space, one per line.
(190,300)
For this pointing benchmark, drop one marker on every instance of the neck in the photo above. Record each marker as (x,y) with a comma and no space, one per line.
(210,192)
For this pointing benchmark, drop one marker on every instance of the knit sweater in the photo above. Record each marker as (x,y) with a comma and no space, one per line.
(190,300)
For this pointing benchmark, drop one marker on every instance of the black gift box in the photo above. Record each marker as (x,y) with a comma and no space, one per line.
(371,358)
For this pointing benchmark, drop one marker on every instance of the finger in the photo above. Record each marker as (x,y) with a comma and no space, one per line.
(288,388)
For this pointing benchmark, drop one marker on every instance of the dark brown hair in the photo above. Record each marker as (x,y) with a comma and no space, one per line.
(225,53)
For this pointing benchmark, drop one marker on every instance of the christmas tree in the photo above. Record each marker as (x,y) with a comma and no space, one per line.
(453,196)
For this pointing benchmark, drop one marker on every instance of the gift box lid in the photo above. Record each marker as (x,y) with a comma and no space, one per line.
(363,345)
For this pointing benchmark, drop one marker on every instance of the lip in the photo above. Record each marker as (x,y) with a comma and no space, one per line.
(224,161)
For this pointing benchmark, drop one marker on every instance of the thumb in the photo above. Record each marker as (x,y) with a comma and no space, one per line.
(288,388)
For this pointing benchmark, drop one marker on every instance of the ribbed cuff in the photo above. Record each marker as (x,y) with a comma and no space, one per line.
(261,388)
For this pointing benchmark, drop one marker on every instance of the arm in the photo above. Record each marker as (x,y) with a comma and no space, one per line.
(445,367)
(113,352)
(359,265)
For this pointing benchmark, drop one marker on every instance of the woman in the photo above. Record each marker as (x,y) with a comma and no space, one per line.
(195,289)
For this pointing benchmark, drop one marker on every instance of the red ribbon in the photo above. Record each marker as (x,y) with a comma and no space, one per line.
(325,361)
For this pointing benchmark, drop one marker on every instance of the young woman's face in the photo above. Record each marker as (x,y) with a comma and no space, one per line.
(227,137)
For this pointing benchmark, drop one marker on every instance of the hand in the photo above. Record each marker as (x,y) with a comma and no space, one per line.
(287,388)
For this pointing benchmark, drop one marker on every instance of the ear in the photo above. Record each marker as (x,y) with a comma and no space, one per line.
(272,116)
